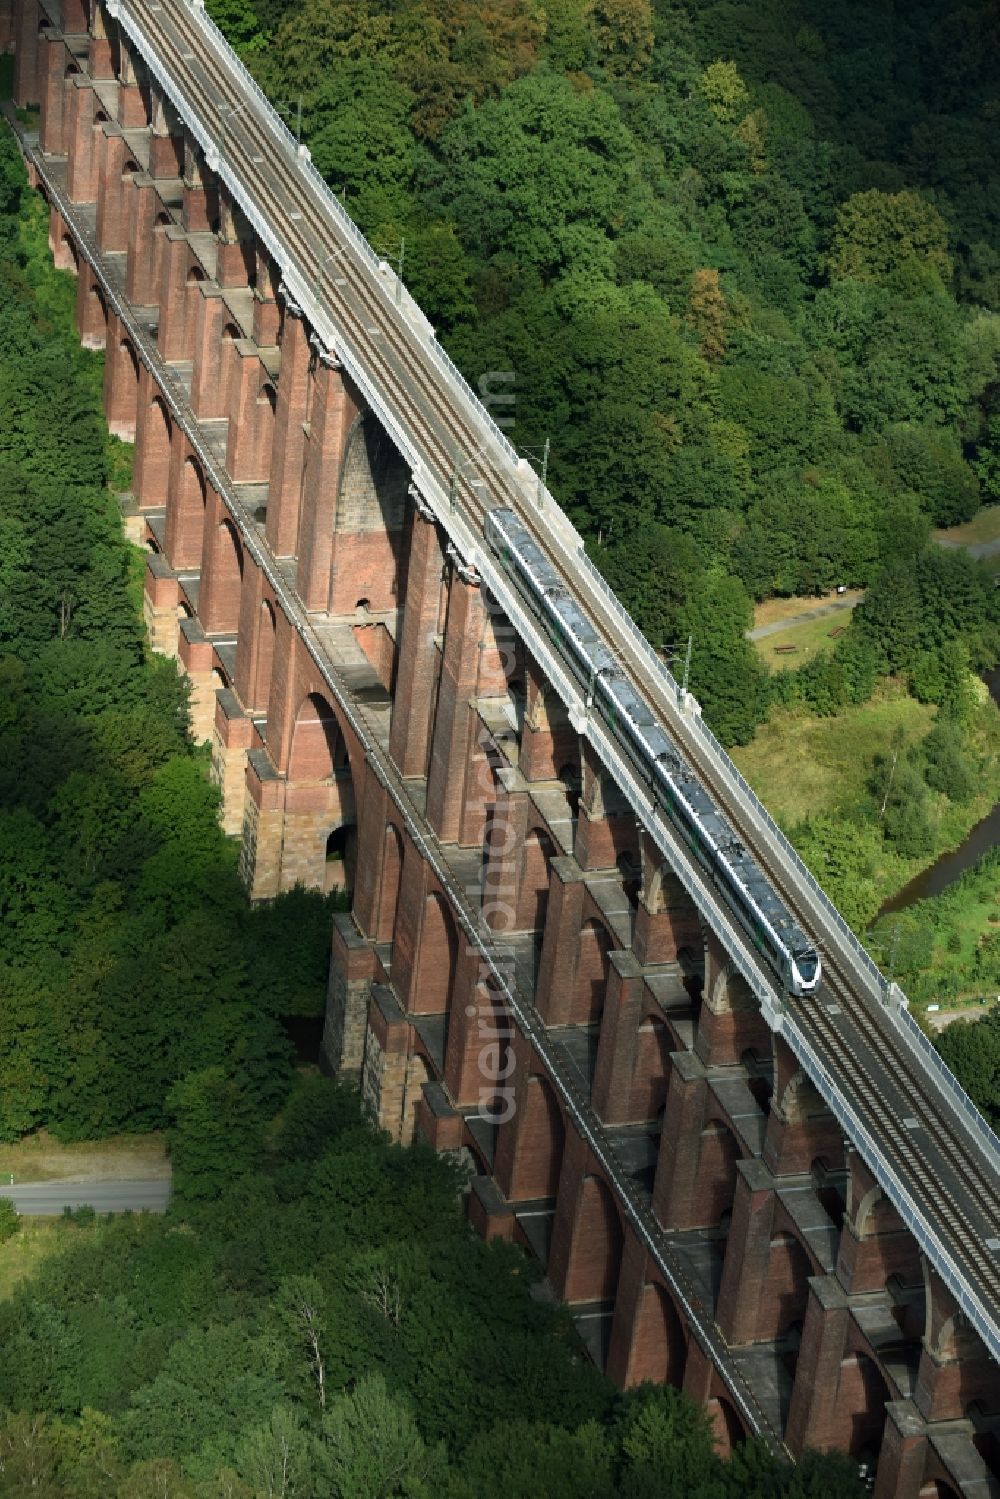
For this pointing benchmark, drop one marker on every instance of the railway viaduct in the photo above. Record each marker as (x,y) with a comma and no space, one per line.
(786,1207)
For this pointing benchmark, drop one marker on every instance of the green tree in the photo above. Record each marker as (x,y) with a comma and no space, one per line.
(10,1222)
(875,232)
(373,1448)
(216,1133)
(972,1051)
(537,175)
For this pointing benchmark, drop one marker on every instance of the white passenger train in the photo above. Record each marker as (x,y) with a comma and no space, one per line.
(743,885)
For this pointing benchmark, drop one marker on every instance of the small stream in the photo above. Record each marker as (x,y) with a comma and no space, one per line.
(980,839)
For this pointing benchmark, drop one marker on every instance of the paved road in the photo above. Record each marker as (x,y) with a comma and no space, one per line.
(47,1199)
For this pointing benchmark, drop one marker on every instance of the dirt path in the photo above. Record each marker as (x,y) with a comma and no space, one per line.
(835,606)
(941,1018)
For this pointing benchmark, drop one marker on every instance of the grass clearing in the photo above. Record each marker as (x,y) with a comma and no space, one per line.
(802,766)
(981,528)
(809,637)
(22,1254)
(806,768)
(772,611)
(39,1158)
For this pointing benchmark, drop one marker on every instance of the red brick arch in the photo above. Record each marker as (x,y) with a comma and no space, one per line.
(541,1138)
(392,875)
(373,480)
(318,747)
(154,433)
(728,1428)
(595,945)
(651,1074)
(859,1419)
(267,625)
(222,582)
(434,976)
(70,254)
(659,1346)
(718,1154)
(786,1287)
(186,517)
(596,1250)
(533,881)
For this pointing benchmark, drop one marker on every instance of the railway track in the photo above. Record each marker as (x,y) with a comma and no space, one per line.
(868,1055)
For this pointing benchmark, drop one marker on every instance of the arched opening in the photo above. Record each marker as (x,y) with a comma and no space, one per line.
(417,1073)
(319,824)
(540,1142)
(861,1399)
(909,1308)
(652,1068)
(786,1289)
(195,273)
(595,1255)
(717,1160)
(266,629)
(435,973)
(228,361)
(130,359)
(518,699)
(152,468)
(493,1033)
(572,779)
(533,881)
(759,1079)
(160,223)
(986,1435)
(318,748)
(121,390)
(267,396)
(221,609)
(729,1430)
(341,858)
(629,868)
(392,874)
(591,982)
(220,682)
(374,480)
(185,536)
(363,606)
(659,1346)
(831,1189)
(691,962)
(70,257)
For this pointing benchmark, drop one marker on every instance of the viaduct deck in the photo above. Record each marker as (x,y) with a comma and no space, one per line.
(222,274)
(938,1166)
